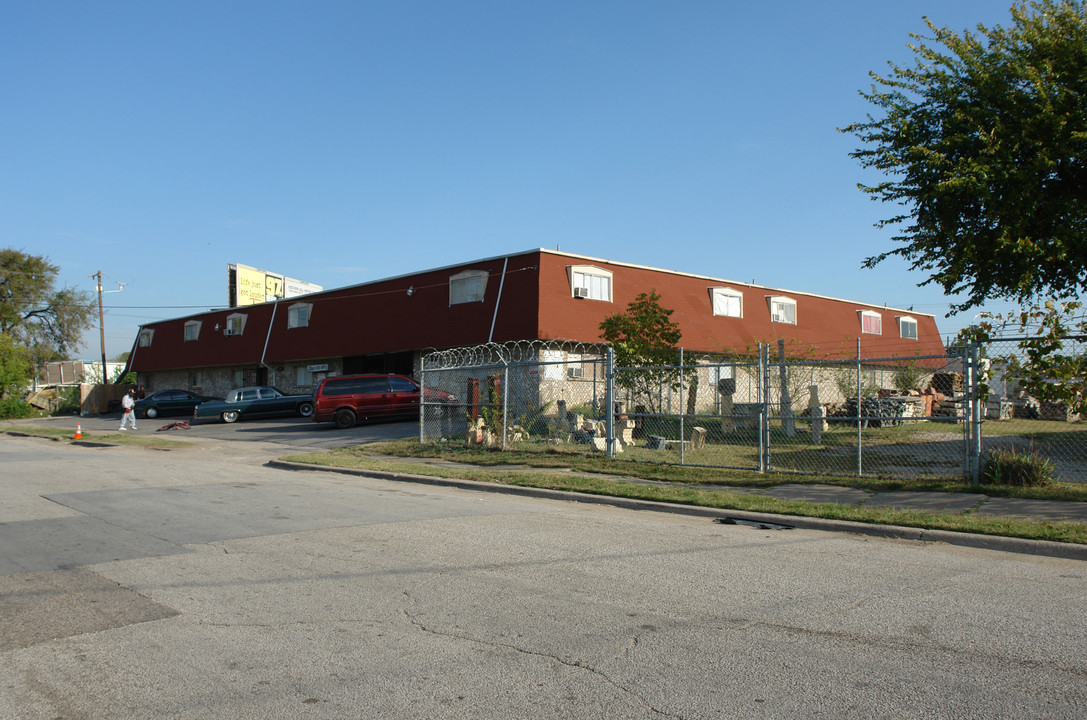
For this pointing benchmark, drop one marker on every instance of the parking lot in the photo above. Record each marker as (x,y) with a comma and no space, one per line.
(290,432)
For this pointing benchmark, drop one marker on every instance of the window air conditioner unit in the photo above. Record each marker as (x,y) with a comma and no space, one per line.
(574,371)
(581,292)
(229,331)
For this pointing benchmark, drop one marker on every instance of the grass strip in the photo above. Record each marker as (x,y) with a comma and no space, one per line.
(113,438)
(585,462)
(724,499)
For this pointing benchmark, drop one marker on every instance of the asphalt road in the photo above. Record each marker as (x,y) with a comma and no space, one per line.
(197,583)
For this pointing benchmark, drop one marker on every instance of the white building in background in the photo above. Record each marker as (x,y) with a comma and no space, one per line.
(75,372)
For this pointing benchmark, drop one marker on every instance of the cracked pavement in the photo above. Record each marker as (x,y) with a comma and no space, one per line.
(200,584)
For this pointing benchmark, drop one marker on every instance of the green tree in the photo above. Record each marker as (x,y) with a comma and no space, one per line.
(45,321)
(984,137)
(645,342)
(1049,362)
(15,368)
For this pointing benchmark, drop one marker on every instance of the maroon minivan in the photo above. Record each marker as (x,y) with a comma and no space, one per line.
(346,399)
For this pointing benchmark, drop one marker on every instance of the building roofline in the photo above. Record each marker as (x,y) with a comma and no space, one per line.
(556,252)
(710,278)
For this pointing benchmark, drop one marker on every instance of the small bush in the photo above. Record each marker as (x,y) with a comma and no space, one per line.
(907,377)
(67,400)
(14,409)
(585,409)
(1016,467)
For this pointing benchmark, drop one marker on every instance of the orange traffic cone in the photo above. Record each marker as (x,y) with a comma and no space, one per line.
(79,431)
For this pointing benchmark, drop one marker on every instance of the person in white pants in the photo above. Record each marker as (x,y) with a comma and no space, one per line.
(128,410)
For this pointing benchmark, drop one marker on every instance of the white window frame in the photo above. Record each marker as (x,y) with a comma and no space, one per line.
(235,324)
(298,315)
(146,336)
(597,282)
(905,321)
(871,315)
(726,302)
(467,287)
(192,330)
(778,306)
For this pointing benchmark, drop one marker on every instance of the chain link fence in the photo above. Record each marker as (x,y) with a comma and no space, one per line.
(1017,422)
(512,392)
(897,416)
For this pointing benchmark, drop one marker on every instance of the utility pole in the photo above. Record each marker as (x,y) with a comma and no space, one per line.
(102,322)
(101,325)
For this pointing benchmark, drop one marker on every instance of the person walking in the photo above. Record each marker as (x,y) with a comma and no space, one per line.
(128,409)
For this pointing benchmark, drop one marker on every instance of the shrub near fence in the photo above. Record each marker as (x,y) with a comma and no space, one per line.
(879,416)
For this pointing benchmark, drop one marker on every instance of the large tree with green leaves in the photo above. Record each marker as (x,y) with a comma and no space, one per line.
(645,342)
(14,369)
(47,322)
(983,139)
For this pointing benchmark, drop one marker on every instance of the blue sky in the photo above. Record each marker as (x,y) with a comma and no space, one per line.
(343,142)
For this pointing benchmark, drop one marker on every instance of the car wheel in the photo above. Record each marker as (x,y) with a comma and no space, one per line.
(152,412)
(230,416)
(305,409)
(344,419)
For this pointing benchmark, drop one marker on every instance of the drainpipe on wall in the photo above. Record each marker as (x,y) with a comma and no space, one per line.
(132,356)
(135,349)
(267,338)
(498,300)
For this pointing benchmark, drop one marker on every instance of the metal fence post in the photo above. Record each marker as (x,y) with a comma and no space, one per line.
(609,398)
(505,402)
(764,407)
(682,410)
(422,404)
(973,399)
(860,434)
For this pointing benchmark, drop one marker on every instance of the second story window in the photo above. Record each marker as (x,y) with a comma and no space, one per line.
(145,337)
(783,310)
(871,322)
(589,282)
(468,286)
(907,328)
(192,330)
(235,324)
(298,315)
(727,302)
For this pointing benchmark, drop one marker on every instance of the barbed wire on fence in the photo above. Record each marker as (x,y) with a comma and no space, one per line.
(505,353)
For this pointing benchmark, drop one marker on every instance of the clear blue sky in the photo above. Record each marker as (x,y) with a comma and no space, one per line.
(343,142)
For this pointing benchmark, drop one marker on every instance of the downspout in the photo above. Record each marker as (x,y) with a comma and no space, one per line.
(498,300)
(267,338)
(132,355)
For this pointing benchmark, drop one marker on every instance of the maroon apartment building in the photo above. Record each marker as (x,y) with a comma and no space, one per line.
(387,325)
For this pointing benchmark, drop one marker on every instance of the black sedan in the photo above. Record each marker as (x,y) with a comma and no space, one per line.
(258,401)
(170,402)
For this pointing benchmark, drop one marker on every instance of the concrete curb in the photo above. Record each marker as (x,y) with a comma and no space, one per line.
(1045,548)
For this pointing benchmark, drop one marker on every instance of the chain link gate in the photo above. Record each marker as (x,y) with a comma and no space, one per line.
(1015,422)
(516,392)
